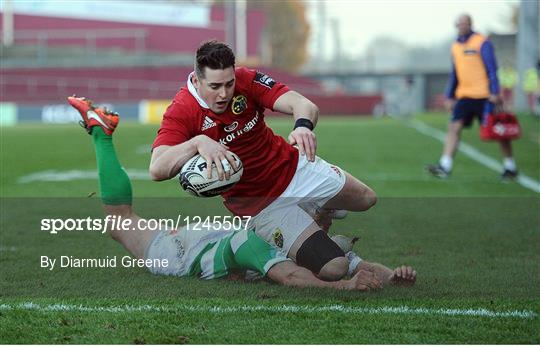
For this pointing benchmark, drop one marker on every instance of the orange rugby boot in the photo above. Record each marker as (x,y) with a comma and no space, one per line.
(94,116)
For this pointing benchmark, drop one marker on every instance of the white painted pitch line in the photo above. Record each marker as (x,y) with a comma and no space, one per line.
(73,175)
(398,177)
(475,154)
(399,310)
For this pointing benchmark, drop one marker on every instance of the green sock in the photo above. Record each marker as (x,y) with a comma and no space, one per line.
(114,183)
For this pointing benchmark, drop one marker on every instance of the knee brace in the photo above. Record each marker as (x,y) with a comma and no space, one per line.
(316,251)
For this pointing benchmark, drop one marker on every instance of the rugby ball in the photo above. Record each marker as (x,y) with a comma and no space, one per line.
(194,177)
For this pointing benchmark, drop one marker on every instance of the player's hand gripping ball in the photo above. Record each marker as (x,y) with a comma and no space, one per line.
(194,177)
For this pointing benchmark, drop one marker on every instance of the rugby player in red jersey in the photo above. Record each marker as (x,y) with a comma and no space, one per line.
(208,252)
(222,109)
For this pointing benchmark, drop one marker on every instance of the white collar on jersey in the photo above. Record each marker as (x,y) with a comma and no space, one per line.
(193,91)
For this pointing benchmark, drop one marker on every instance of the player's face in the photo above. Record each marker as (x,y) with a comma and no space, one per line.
(463,25)
(216,88)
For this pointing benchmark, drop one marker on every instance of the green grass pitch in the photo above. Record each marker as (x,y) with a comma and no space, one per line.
(474,241)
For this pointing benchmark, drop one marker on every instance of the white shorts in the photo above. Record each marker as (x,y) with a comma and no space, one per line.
(168,245)
(211,253)
(181,248)
(313,184)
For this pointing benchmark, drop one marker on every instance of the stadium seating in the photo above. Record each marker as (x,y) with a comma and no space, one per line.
(127,62)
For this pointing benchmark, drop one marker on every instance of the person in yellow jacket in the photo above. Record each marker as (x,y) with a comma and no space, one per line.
(473,91)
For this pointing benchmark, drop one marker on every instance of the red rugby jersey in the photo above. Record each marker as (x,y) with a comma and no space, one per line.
(269,161)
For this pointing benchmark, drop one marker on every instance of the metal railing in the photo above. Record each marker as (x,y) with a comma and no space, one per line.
(33,86)
(87,39)
(89,36)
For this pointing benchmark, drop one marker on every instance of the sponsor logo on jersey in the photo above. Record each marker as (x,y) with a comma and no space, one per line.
(241,131)
(208,123)
(278,237)
(239,104)
(470,51)
(231,127)
(265,80)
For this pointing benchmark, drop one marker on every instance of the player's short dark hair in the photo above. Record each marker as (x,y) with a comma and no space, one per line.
(214,55)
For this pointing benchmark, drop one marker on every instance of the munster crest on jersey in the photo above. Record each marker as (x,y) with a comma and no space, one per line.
(239,104)
(278,238)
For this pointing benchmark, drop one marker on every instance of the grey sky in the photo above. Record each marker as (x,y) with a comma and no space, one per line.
(418,22)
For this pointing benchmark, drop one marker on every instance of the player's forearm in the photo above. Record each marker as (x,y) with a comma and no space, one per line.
(306,109)
(304,278)
(167,161)
(292,275)
(383,273)
(297,105)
